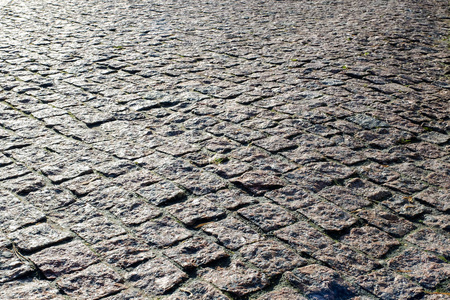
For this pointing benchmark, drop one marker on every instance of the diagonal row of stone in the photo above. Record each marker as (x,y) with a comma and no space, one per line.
(200,150)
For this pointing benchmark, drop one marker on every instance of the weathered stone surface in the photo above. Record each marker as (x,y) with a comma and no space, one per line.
(93,282)
(11,266)
(441,221)
(267,216)
(378,173)
(123,251)
(436,197)
(162,232)
(405,206)
(30,289)
(37,236)
(281,294)
(195,252)
(230,198)
(128,294)
(430,240)
(275,144)
(303,237)
(292,197)
(198,290)
(386,221)
(96,229)
(48,199)
(389,285)
(15,214)
(237,278)
(195,210)
(424,268)
(24,184)
(161,192)
(156,276)
(344,259)
(367,189)
(63,259)
(232,233)
(271,257)
(328,216)
(320,282)
(344,197)
(370,240)
(259,182)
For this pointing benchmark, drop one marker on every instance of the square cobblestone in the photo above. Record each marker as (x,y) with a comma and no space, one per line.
(370,240)
(237,279)
(390,286)
(24,184)
(328,216)
(85,184)
(96,229)
(30,289)
(160,193)
(93,282)
(430,240)
(156,276)
(344,197)
(123,251)
(435,197)
(386,221)
(378,173)
(195,252)
(345,259)
(11,267)
(197,290)
(259,182)
(162,232)
(231,199)
(282,294)
(292,197)
(424,268)
(275,144)
(232,233)
(405,206)
(267,216)
(15,214)
(271,257)
(37,237)
(303,237)
(320,282)
(195,210)
(49,198)
(63,259)
(368,190)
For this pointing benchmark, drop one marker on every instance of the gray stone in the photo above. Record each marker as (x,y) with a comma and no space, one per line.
(12,266)
(37,237)
(267,216)
(162,232)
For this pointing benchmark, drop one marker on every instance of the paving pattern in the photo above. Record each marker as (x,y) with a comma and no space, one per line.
(199,149)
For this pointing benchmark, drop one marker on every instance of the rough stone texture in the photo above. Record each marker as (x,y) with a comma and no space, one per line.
(389,285)
(271,258)
(93,282)
(197,290)
(195,252)
(12,266)
(303,237)
(344,259)
(320,282)
(37,237)
(156,276)
(195,210)
(424,268)
(162,232)
(386,221)
(30,289)
(267,216)
(430,240)
(196,133)
(281,294)
(63,259)
(237,278)
(370,240)
(123,251)
(232,233)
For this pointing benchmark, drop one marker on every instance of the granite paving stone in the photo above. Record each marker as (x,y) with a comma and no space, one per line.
(156,276)
(316,282)
(196,252)
(232,233)
(63,259)
(222,150)
(35,289)
(37,236)
(424,268)
(236,278)
(94,282)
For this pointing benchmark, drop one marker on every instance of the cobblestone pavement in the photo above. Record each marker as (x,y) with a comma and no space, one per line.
(204,149)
